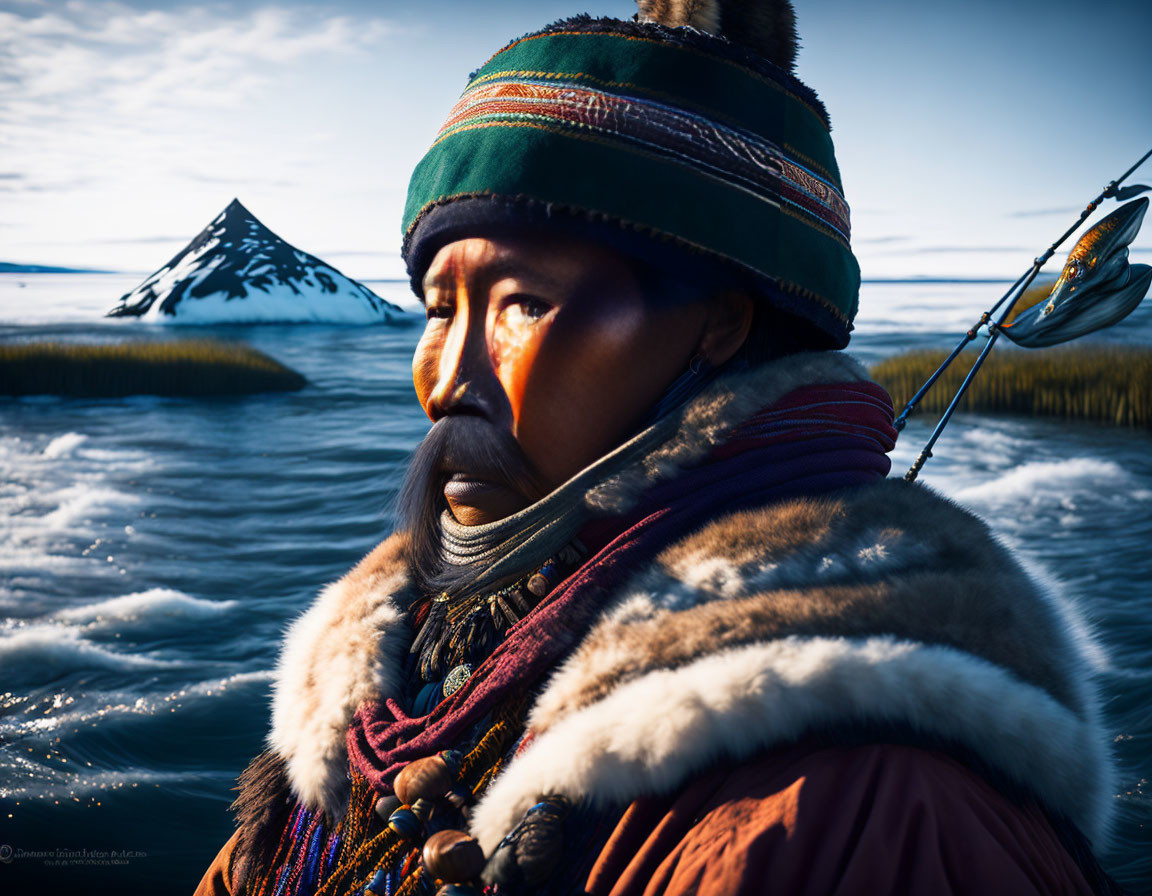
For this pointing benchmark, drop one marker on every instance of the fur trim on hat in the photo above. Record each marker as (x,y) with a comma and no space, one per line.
(769,27)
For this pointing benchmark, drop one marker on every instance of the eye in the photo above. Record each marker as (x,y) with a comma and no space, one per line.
(529,308)
(533,308)
(438,312)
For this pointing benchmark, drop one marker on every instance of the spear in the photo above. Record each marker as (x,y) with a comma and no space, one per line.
(1096,289)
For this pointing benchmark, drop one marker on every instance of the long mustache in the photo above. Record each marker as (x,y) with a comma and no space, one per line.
(466,444)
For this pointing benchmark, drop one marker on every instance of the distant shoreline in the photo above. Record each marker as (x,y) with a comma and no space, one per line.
(9,268)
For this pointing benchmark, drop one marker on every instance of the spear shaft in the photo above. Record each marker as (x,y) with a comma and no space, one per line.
(1015,288)
(1014,293)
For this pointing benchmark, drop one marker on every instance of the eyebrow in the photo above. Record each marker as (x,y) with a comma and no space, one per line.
(498,269)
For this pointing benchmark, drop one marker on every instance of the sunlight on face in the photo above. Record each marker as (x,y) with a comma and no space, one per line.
(552,340)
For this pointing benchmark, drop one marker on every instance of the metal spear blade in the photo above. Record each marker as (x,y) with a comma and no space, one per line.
(1096,289)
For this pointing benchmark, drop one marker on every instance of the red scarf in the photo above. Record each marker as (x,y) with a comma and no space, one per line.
(814,440)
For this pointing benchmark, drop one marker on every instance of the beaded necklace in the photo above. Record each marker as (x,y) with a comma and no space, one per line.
(376,848)
(458,633)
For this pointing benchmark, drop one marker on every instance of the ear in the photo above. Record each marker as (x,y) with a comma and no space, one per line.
(726,325)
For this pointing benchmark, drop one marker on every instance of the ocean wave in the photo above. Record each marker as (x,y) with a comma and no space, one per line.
(40,653)
(62,446)
(150,605)
(78,502)
(96,708)
(1047,481)
(58,784)
(1004,439)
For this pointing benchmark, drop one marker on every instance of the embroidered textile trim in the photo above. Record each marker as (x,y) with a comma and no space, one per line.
(730,154)
(624,133)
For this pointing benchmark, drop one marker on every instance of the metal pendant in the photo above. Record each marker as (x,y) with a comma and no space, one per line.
(456,678)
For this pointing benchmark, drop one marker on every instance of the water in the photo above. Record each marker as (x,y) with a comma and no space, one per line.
(153,550)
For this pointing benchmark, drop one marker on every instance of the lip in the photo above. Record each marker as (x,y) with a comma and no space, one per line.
(463,489)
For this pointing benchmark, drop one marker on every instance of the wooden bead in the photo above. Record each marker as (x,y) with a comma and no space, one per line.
(405,822)
(453,856)
(538,585)
(427,778)
(386,805)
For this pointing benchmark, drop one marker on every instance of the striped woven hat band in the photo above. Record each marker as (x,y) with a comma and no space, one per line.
(677,140)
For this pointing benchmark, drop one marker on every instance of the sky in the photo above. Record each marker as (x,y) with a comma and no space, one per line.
(969,135)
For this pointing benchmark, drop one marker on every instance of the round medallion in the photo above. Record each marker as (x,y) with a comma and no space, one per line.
(456,678)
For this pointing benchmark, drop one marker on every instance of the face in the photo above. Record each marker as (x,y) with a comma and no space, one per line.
(551,341)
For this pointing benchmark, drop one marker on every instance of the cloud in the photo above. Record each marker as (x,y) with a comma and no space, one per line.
(1046,212)
(143,240)
(925,250)
(205,177)
(878,240)
(20,183)
(109,56)
(99,92)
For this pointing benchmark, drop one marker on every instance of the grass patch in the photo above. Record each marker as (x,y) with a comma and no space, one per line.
(182,367)
(1040,289)
(1112,384)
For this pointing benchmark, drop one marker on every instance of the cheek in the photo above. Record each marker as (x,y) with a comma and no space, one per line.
(426,366)
(589,349)
(572,390)
(513,352)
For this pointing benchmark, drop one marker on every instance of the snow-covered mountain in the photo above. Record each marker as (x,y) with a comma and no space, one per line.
(236,270)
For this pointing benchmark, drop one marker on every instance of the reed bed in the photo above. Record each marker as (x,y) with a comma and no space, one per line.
(176,368)
(1112,384)
(1040,289)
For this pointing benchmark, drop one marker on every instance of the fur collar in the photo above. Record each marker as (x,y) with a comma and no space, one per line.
(349,645)
(347,648)
(886,606)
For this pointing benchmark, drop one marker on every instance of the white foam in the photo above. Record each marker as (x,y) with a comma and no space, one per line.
(153,604)
(1047,480)
(62,446)
(992,442)
(117,461)
(44,652)
(106,708)
(79,502)
(55,784)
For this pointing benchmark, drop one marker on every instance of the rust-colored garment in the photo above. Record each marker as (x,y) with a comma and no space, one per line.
(872,820)
(216,880)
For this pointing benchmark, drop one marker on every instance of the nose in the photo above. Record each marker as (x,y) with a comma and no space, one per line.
(465,380)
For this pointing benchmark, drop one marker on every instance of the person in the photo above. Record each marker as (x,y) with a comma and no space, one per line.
(654,620)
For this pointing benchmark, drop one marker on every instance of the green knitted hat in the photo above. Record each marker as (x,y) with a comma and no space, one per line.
(673,143)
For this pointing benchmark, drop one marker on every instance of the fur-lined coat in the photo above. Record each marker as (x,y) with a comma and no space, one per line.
(866,683)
